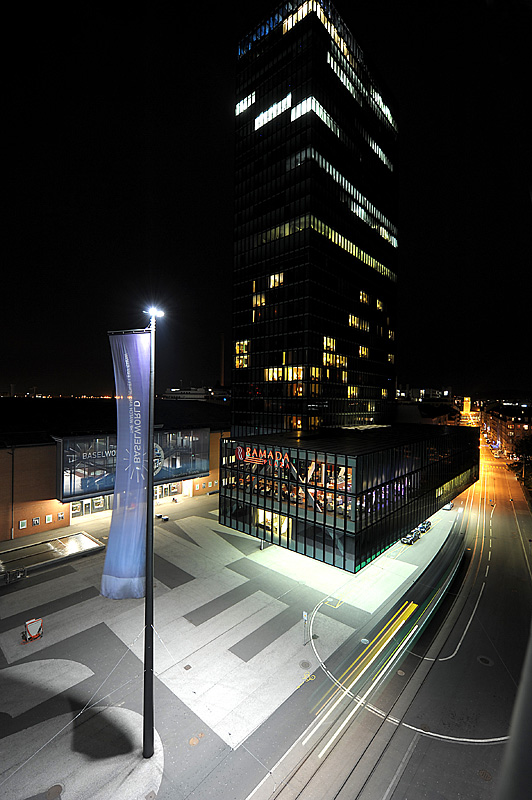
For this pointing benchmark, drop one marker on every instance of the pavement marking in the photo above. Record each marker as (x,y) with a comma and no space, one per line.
(401,768)
(459,739)
(370,689)
(42,680)
(448,658)
(375,646)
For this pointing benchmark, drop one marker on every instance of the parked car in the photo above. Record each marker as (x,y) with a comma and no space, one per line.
(411,537)
(425,526)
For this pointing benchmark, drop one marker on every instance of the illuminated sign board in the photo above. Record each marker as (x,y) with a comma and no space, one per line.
(272,458)
(87,464)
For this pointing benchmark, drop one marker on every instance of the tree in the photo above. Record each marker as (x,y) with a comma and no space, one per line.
(523,447)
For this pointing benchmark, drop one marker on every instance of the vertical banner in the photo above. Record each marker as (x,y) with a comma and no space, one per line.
(124,572)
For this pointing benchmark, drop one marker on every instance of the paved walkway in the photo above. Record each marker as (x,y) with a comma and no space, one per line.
(230,648)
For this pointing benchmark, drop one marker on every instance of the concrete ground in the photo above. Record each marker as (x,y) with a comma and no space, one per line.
(230,648)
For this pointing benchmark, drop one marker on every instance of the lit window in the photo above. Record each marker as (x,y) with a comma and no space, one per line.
(241,362)
(391,335)
(315,373)
(364,297)
(391,358)
(259,299)
(329,343)
(276,280)
(356,322)
(380,305)
(293,373)
(273,373)
(311,104)
(360,205)
(352,391)
(363,352)
(307,221)
(273,111)
(245,103)
(242,346)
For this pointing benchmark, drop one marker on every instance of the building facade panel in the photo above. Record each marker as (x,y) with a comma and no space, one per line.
(338,505)
(315,241)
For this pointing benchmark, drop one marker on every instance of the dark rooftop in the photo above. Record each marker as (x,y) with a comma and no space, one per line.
(356,441)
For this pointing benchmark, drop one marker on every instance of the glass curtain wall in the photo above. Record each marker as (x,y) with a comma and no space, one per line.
(338,508)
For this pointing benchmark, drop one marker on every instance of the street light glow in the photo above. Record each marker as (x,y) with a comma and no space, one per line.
(155,312)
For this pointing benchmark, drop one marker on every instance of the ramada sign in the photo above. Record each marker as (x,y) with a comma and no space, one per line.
(270,457)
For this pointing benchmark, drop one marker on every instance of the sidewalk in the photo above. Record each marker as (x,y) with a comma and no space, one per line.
(230,648)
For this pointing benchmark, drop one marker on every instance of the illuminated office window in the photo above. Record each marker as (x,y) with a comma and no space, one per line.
(241,361)
(363,352)
(273,111)
(380,305)
(360,205)
(356,322)
(273,373)
(391,358)
(364,297)
(276,279)
(242,105)
(329,343)
(259,299)
(293,373)
(242,346)
(352,391)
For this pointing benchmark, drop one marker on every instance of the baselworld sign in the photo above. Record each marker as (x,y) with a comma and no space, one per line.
(272,458)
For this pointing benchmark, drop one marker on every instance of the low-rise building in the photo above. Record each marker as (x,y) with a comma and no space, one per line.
(506,422)
(58,458)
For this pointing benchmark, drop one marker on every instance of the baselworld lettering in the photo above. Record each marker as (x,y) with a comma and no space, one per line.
(99,454)
(137,432)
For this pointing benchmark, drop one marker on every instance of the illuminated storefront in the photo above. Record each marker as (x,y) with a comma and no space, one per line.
(343,497)
(87,466)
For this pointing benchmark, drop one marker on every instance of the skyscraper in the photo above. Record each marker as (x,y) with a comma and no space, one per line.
(316,244)
(314,310)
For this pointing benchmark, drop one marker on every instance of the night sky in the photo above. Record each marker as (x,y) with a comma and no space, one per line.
(120,190)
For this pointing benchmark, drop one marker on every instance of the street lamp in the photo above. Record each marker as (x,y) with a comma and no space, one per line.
(147,746)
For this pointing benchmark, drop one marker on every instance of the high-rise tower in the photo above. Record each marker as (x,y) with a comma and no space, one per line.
(316,244)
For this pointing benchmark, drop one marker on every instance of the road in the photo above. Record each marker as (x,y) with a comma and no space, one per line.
(438,727)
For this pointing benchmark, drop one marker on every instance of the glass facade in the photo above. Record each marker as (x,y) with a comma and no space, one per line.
(343,499)
(88,463)
(314,310)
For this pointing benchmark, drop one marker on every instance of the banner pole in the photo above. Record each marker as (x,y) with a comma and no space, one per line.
(148,736)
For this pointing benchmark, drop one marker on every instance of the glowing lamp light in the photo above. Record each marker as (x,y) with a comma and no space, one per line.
(155,312)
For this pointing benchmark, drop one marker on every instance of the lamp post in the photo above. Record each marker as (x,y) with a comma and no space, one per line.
(147,742)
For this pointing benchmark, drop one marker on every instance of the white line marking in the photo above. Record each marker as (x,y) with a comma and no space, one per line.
(447,658)
(370,689)
(402,766)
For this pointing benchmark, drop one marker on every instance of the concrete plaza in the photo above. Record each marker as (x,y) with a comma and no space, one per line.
(231,646)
